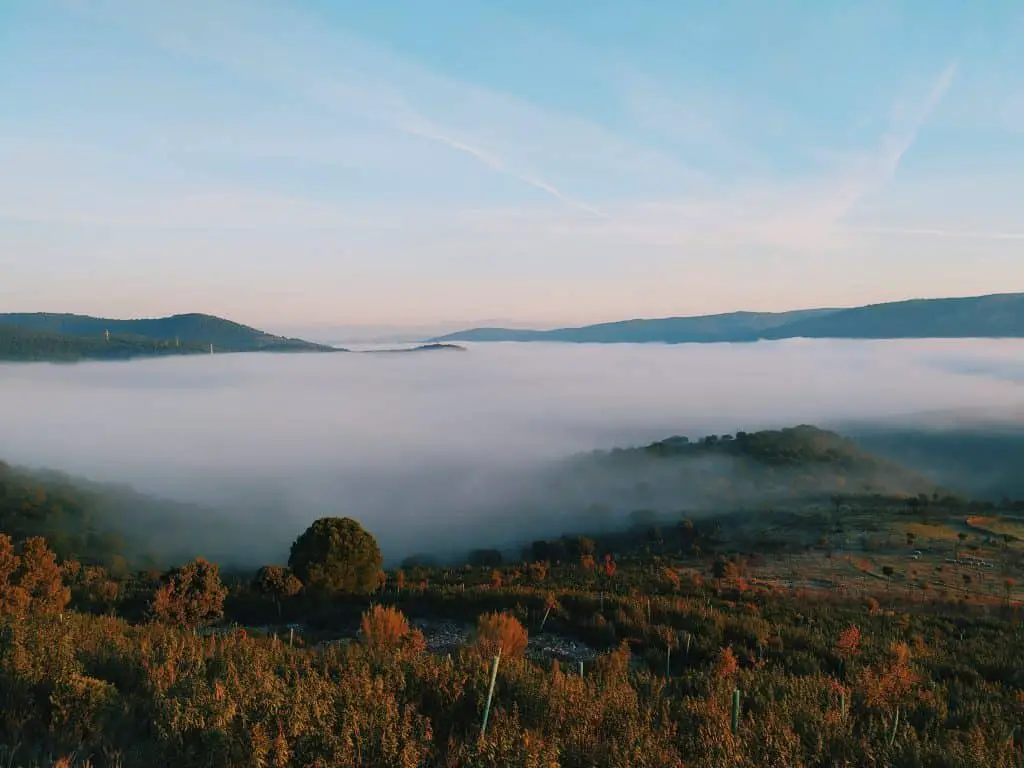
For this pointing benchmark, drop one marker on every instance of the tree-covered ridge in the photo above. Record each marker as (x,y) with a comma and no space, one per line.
(19,344)
(192,329)
(68,338)
(802,444)
(995,316)
(101,524)
(785,468)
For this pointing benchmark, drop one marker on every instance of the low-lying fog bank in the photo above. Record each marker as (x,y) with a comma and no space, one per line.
(434,453)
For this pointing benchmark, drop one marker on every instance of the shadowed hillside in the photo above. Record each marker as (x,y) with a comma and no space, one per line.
(733,326)
(20,344)
(102,523)
(187,329)
(996,316)
(776,468)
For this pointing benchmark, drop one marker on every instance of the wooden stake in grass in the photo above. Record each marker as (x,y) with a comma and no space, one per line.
(895,725)
(735,711)
(490,693)
(549,603)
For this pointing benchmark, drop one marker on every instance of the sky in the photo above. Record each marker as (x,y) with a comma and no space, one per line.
(403,163)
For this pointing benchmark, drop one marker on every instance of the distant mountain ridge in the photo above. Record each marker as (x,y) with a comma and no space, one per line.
(992,316)
(185,329)
(46,337)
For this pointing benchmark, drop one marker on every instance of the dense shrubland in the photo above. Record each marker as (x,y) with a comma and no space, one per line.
(124,671)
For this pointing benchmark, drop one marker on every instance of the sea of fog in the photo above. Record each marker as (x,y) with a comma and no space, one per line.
(406,441)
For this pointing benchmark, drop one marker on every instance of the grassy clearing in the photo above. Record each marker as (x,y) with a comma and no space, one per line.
(1000,526)
(930,531)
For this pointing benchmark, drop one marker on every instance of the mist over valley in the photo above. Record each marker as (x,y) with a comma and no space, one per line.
(439,454)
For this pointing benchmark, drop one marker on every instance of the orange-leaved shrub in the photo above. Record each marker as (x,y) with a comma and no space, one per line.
(501,632)
(30,579)
(385,629)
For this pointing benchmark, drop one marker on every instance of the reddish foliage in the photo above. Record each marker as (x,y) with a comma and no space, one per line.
(192,596)
(848,644)
(726,666)
(386,629)
(500,631)
(609,566)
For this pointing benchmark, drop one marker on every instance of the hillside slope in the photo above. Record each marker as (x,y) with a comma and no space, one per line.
(19,344)
(182,330)
(732,326)
(104,523)
(995,316)
(796,469)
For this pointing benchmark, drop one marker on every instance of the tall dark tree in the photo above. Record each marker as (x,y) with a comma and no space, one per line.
(336,554)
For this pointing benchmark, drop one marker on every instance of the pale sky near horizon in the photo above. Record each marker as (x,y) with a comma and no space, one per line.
(399,162)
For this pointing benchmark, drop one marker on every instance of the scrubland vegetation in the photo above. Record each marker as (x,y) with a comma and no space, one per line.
(873,630)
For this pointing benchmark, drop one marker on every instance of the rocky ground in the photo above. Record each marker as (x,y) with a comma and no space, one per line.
(449,636)
(444,637)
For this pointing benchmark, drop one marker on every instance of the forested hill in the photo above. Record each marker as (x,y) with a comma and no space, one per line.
(793,446)
(19,344)
(103,523)
(995,316)
(775,469)
(178,331)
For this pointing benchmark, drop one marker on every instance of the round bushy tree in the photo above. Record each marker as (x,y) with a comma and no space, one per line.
(191,596)
(335,554)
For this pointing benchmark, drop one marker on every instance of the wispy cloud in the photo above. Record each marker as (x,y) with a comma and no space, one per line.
(943,233)
(861,174)
(501,166)
(350,77)
(899,142)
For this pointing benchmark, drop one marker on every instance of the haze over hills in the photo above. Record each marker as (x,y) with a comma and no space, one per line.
(993,316)
(783,469)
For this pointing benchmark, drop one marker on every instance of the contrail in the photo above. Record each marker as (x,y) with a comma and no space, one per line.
(495,163)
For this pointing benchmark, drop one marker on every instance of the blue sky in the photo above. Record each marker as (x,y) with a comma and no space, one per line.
(325,162)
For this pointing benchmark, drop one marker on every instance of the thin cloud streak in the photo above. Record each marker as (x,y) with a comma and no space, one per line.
(496,163)
(944,233)
(349,91)
(872,173)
